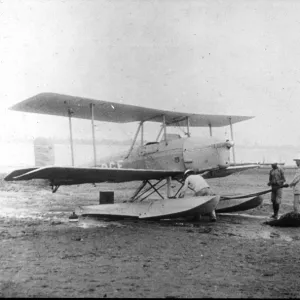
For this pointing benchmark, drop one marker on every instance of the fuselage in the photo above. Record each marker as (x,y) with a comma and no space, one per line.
(177,155)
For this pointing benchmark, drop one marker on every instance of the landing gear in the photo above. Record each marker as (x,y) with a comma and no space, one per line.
(73,217)
(138,193)
(142,190)
(54,188)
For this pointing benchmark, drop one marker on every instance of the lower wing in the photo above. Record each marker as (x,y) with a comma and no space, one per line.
(16,173)
(75,175)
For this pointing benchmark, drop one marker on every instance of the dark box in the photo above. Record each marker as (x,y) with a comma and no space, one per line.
(106,197)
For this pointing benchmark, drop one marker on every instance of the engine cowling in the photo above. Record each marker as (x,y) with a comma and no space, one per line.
(201,154)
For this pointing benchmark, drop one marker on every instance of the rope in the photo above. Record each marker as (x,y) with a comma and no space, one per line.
(254,194)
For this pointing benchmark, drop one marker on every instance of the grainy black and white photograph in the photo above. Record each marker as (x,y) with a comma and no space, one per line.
(149,149)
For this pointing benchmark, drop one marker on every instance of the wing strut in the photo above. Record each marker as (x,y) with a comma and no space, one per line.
(160,131)
(92,106)
(142,134)
(210,129)
(165,129)
(188,126)
(70,112)
(134,140)
(231,132)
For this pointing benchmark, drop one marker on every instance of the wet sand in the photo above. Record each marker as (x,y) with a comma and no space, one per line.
(43,254)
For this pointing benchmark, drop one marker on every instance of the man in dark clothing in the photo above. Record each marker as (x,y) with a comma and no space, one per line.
(276,179)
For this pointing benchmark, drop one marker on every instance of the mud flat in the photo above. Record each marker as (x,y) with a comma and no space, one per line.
(43,254)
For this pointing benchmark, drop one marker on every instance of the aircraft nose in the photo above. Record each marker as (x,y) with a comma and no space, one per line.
(224,153)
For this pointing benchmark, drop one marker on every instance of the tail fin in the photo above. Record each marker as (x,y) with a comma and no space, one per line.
(43,152)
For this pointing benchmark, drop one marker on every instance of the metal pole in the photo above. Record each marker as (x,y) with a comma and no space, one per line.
(134,140)
(188,126)
(93,132)
(70,112)
(231,131)
(165,129)
(210,130)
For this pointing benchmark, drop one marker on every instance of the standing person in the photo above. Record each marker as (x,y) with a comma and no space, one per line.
(295,184)
(276,179)
(198,184)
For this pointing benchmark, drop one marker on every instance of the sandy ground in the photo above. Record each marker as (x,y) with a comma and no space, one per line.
(44,255)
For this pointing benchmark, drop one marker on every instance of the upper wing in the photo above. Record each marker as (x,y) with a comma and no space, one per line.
(60,105)
(74,175)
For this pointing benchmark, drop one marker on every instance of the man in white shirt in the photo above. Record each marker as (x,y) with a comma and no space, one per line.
(295,184)
(199,186)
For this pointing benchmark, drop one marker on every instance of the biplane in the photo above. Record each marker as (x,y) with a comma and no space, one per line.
(163,160)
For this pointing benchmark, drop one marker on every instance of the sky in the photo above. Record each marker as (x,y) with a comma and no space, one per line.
(216,57)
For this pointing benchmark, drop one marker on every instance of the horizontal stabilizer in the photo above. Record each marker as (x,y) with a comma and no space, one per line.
(241,167)
(233,168)
(78,107)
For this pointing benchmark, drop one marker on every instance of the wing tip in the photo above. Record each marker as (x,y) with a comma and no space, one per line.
(21,106)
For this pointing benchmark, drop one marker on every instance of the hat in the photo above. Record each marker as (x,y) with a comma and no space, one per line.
(188,171)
